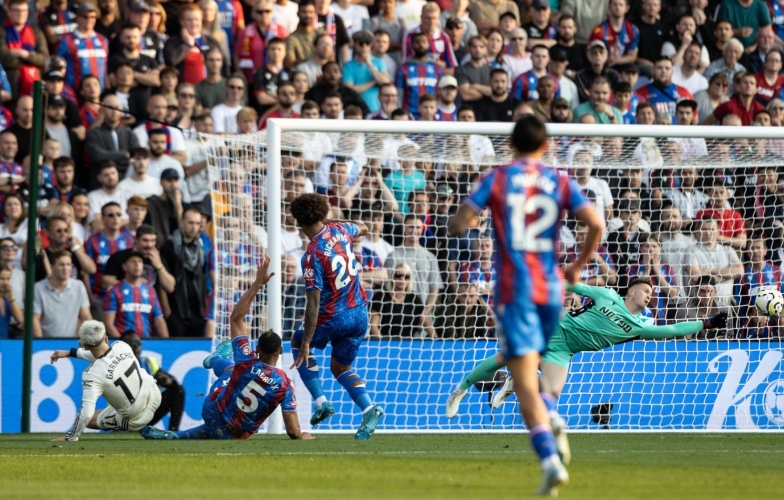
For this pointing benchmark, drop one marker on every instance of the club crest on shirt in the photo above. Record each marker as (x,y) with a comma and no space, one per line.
(309,274)
(246,350)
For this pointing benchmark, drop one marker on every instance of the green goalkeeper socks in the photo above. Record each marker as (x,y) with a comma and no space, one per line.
(483,371)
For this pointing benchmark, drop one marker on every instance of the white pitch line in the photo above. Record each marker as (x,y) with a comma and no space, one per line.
(365,453)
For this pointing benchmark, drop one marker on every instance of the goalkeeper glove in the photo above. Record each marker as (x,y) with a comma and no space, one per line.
(718,321)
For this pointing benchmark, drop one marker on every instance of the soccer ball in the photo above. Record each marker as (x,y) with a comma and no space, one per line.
(770,303)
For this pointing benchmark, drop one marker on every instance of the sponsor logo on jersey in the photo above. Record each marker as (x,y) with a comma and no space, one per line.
(90,53)
(143,308)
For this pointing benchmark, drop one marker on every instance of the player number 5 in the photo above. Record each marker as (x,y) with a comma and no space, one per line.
(528,238)
(339,265)
(249,393)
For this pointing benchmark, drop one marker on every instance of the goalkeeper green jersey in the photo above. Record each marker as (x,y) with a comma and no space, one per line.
(606,322)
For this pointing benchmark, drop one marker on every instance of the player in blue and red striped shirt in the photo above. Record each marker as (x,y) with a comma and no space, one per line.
(417,76)
(527,200)
(438,42)
(336,309)
(621,37)
(249,387)
(100,246)
(132,304)
(85,51)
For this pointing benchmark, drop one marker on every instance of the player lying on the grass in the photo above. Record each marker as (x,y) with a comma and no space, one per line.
(605,321)
(132,393)
(336,309)
(249,387)
(527,200)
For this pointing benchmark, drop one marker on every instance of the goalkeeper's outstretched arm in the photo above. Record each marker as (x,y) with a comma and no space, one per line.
(242,306)
(652,332)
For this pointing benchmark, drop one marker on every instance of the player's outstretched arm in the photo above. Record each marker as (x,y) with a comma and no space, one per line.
(242,306)
(363,229)
(588,217)
(651,332)
(291,422)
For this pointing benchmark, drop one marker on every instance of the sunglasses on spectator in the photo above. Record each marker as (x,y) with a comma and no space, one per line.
(402,275)
(113,214)
(266,11)
(364,43)
(721,84)
(188,96)
(9,247)
(517,39)
(236,87)
(777,108)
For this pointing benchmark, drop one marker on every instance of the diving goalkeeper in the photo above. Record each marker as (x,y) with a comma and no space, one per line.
(605,321)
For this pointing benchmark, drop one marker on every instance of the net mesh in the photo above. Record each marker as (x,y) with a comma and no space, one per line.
(698,216)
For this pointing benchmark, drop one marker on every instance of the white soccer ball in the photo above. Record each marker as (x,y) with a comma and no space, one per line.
(770,303)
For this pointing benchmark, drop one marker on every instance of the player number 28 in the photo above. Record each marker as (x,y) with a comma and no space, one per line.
(249,393)
(339,265)
(528,238)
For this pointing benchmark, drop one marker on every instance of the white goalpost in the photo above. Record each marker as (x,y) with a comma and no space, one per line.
(422,344)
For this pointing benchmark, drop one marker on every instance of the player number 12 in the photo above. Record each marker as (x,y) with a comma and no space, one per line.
(527,238)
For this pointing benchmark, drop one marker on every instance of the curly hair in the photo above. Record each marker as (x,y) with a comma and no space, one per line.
(309,209)
(269,342)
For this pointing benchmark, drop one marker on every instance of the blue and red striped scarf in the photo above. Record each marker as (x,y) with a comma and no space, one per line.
(25,39)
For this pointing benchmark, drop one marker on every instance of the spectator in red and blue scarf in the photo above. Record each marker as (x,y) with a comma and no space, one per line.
(187,50)
(23,50)
(85,51)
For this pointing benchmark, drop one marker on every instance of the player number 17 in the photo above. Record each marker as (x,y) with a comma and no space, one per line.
(528,237)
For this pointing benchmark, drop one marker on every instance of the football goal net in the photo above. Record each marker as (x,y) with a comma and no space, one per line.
(699,210)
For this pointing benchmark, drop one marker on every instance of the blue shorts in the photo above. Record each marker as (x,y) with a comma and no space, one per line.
(344,331)
(526,327)
(215,426)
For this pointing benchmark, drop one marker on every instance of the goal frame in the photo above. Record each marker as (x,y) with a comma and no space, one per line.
(277,126)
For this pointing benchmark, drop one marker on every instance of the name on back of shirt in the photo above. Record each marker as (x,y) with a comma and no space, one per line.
(259,372)
(332,241)
(534,179)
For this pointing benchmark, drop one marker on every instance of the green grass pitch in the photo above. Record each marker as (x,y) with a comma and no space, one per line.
(407,466)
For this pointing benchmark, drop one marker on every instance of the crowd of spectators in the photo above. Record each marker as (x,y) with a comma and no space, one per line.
(126,229)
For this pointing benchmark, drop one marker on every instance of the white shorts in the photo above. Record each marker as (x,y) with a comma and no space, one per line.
(110,420)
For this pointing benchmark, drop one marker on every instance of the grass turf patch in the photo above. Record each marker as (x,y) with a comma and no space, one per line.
(654,466)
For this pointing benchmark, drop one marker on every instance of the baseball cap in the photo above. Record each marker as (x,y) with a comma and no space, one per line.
(444,190)
(560,102)
(558,53)
(139,7)
(540,4)
(54,75)
(363,36)
(597,43)
(453,22)
(170,173)
(84,8)
(91,333)
(447,81)
(56,100)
